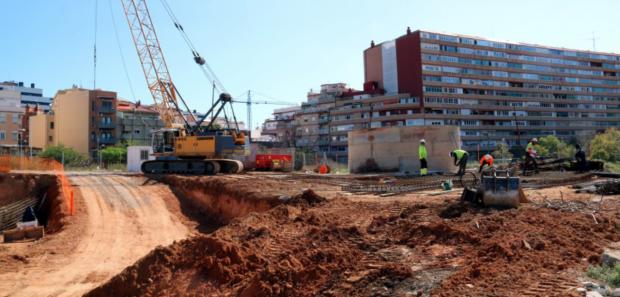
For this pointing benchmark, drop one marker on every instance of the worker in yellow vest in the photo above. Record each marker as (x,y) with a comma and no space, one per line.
(530,156)
(422,154)
(460,159)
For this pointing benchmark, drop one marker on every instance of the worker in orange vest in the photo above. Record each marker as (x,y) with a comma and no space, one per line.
(486,160)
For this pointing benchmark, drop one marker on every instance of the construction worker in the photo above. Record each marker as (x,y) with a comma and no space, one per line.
(460,159)
(486,160)
(580,157)
(422,154)
(530,156)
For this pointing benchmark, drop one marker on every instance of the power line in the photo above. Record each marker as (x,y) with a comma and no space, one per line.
(120,50)
(95,48)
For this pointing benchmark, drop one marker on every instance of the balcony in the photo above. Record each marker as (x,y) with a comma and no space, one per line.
(106,109)
(323,131)
(108,140)
(106,125)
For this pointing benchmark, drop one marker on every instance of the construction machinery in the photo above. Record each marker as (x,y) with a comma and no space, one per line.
(185,145)
(497,189)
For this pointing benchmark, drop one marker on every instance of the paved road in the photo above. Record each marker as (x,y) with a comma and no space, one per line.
(124,221)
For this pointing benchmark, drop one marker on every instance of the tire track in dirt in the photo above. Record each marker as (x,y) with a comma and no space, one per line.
(125,220)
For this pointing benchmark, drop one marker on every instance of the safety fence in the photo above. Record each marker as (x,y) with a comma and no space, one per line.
(41,165)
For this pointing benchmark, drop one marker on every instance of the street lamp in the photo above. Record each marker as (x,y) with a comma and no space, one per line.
(20,140)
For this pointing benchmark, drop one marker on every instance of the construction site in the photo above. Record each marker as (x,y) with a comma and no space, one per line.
(453,172)
(304,234)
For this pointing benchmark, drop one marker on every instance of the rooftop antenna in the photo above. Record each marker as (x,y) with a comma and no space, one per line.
(593,41)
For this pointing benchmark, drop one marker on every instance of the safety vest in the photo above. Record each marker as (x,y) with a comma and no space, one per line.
(422,151)
(530,148)
(459,154)
(486,158)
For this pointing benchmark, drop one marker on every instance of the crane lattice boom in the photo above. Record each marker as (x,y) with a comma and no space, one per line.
(153,63)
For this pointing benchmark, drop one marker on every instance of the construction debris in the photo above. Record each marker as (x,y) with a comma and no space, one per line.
(605,187)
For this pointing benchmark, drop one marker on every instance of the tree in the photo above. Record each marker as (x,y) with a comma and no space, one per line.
(606,146)
(553,146)
(71,157)
(502,151)
(114,154)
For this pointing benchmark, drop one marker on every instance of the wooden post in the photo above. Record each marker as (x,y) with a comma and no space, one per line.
(71,204)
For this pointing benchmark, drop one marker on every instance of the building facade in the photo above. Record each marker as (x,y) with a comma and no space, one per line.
(280,129)
(136,122)
(495,91)
(82,119)
(10,121)
(29,96)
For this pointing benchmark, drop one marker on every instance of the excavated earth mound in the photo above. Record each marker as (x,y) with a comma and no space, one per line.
(308,246)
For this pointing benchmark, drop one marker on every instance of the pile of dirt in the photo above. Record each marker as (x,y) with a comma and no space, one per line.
(502,252)
(344,248)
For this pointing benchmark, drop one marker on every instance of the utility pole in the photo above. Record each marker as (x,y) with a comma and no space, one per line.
(212,99)
(249,104)
(514,113)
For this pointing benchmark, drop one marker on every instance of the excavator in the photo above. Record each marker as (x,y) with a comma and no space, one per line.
(183,146)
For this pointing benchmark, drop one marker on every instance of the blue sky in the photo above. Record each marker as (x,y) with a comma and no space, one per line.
(280,48)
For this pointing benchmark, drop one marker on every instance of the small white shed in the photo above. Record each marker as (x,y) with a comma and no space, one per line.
(136,155)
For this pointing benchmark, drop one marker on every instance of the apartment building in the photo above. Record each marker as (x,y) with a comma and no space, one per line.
(10,121)
(29,96)
(495,91)
(136,122)
(280,129)
(82,119)
(312,122)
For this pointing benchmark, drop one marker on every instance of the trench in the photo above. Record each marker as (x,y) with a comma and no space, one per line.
(39,191)
(214,203)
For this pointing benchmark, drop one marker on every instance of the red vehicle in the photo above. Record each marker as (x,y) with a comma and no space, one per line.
(274,162)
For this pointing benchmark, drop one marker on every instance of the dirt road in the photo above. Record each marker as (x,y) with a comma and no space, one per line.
(121,221)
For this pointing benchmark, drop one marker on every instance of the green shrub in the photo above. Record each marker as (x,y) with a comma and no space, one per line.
(114,154)
(551,146)
(502,151)
(606,146)
(607,274)
(71,157)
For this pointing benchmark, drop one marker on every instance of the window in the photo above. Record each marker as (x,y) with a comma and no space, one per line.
(16,118)
(2,117)
(15,136)
(2,135)
(144,155)
(450,79)
(137,131)
(50,138)
(430,46)
(52,125)
(431,68)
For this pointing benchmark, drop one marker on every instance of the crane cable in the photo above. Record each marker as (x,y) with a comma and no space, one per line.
(206,69)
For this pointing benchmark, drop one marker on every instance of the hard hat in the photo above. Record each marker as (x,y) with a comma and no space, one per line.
(534,139)
(422,140)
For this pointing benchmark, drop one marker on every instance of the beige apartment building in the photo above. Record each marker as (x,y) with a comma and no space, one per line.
(10,120)
(82,119)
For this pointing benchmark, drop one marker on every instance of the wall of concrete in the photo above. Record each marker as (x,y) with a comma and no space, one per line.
(396,148)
